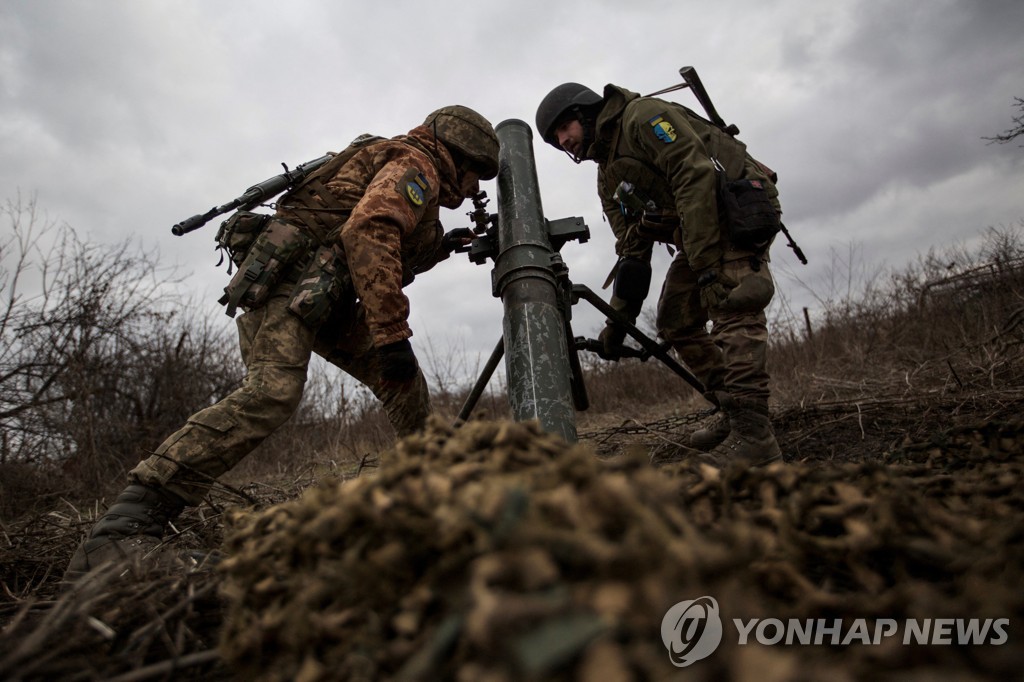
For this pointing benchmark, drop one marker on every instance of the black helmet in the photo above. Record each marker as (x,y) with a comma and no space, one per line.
(565,99)
(463,130)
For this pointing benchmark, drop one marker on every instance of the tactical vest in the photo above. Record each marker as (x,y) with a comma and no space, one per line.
(310,204)
(650,182)
(319,211)
(313,205)
(304,243)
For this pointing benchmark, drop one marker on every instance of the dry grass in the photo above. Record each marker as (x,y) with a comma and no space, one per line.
(921,392)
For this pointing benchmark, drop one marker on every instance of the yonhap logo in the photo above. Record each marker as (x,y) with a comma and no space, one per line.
(691,630)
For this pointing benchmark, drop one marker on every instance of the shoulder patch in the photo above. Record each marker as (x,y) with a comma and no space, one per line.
(414,187)
(663,129)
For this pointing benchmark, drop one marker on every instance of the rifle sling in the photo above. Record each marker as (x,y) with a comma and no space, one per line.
(312,189)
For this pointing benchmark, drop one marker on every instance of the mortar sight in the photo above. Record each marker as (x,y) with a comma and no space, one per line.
(485,226)
(479,215)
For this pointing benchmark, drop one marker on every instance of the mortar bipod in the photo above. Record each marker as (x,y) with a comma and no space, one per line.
(648,348)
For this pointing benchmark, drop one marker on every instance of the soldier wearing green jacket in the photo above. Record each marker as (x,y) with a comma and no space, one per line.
(659,168)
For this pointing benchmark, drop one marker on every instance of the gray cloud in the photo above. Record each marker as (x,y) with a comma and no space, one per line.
(127,116)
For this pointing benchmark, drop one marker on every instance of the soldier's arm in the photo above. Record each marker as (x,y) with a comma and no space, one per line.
(394,202)
(666,139)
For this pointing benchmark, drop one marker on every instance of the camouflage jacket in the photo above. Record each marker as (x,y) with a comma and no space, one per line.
(381,209)
(666,150)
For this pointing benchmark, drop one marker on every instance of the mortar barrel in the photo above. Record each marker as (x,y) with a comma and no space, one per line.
(536,349)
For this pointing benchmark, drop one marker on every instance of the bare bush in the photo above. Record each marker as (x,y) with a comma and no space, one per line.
(97,360)
(953,320)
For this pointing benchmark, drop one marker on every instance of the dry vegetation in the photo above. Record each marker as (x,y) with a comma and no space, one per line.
(495,552)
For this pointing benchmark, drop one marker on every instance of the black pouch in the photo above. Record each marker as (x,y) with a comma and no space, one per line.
(238,233)
(323,283)
(746,213)
(276,248)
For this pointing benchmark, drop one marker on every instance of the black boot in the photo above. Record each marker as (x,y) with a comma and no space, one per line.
(130,527)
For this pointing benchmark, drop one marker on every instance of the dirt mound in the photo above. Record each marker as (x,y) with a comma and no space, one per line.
(497,552)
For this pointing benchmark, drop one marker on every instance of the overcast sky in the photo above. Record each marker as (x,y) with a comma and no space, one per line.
(124,117)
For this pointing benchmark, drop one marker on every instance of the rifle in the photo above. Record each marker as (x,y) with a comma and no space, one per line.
(692,80)
(255,194)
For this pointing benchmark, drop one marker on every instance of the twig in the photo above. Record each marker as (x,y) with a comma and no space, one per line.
(364,463)
(168,666)
(643,428)
(161,619)
(955,377)
(10,594)
(212,481)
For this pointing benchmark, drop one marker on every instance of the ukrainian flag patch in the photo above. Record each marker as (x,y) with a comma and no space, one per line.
(663,129)
(414,187)
(414,193)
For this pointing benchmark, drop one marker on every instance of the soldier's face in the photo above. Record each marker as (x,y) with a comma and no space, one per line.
(570,136)
(469,184)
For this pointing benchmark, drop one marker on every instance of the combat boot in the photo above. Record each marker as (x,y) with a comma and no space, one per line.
(751,438)
(712,433)
(130,528)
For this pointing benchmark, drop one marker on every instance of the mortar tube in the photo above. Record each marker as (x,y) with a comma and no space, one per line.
(536,349)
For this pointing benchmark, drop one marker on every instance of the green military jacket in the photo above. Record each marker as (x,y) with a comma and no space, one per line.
(665,150)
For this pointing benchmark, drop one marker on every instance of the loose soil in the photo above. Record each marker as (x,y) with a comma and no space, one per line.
(497,552)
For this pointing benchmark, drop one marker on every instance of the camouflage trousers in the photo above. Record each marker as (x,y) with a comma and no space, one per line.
(732,357)
(276,348)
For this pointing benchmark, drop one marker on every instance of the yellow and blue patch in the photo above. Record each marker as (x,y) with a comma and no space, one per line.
(414,187)
(663,129)
(414,193)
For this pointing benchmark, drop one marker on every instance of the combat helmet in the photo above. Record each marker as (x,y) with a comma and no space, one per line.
(565,100)
(467,133)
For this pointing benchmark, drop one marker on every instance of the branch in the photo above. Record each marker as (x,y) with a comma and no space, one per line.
(1011,133)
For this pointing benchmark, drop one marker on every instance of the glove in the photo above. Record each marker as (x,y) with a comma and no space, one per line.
(715,288)
(611,338)
(457,239)
(397,362)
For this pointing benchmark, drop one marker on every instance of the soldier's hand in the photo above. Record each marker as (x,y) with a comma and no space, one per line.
(397,362)
(715,288)
(458,239)
(611,338)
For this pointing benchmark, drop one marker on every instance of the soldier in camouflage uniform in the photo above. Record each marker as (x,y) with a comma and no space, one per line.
(326,276)
(668,154)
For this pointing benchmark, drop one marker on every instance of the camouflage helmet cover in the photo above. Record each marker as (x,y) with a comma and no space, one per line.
(463,130)
(557,104)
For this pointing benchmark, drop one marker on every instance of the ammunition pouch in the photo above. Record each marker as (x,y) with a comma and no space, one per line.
(237,233)
(322,284)
(274,250)
(746,214)
(632,281)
